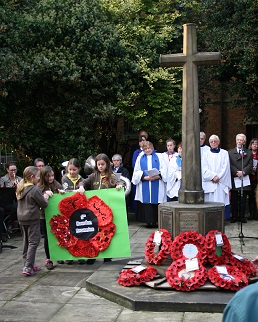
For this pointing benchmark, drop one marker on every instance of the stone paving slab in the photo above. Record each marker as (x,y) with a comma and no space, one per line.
(48,294)
(26,299)
(14,311)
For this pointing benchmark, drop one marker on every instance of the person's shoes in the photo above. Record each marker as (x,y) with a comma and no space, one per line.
(60,262)
(69,262)
(10,229)
(36,268)
(91,261)
(151,226)
(244,221)
(81,261)
(49,264)
(233,220)
(28,271)
(107,260)
(3,240)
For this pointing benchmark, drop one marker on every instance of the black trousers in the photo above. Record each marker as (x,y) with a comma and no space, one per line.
(43,226)
(238,204)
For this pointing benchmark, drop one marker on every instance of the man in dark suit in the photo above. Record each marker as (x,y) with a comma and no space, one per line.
(241,164)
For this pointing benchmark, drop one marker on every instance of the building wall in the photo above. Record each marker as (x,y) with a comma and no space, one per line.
(225,121)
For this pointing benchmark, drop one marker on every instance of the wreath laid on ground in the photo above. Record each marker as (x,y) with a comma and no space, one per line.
(217,254)
(164,244)
(189,244)
(84,226)
(234,279)
(129,277)
(243,264)
(183,280)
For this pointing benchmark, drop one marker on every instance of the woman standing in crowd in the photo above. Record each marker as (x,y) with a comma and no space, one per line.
(253,146)
(10,180)
(150,189)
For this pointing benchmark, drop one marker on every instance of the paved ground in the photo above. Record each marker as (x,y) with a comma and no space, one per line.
(60,295)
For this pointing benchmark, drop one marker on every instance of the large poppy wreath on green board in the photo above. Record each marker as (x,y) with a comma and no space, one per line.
(85,226)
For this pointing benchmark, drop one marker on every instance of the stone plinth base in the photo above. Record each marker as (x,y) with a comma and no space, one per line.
(177,217)
(142,298)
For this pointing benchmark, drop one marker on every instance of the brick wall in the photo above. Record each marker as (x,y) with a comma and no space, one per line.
(224,121)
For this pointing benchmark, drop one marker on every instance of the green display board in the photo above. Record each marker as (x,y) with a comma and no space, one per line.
(120,243)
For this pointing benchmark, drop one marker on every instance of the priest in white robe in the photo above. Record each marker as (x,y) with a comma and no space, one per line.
(174,175)
(203,146)
(150,187)
(216,177)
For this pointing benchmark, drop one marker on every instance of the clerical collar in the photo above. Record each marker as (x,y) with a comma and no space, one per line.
(215,150)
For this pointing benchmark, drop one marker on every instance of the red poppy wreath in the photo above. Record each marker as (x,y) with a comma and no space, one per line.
(234,279)
(84,226)
(189,244)
(185,281)
(164,247)
(217,254)
(129,278)
(243,264)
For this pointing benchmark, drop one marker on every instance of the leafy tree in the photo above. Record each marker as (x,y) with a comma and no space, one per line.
(72,67)
(82,64)
(231,27)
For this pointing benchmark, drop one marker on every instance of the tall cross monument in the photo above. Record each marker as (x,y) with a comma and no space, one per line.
(191,191)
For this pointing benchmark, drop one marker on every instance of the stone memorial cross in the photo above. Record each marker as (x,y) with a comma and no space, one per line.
(191,191)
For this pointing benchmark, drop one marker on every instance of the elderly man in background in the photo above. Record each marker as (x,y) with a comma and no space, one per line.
(203,146)
(241,164)
(216,179)
(118,167)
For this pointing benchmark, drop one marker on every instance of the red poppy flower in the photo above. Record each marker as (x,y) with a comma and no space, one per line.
(79,245)
(101,210)
(181,280)
(70,204)
(103,238)
(217,254)
(234,280)
(243,265)
(164,248)
(129,278)
(186,243)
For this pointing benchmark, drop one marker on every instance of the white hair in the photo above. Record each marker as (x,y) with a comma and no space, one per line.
(242,135)
(214,137)
(117,156)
